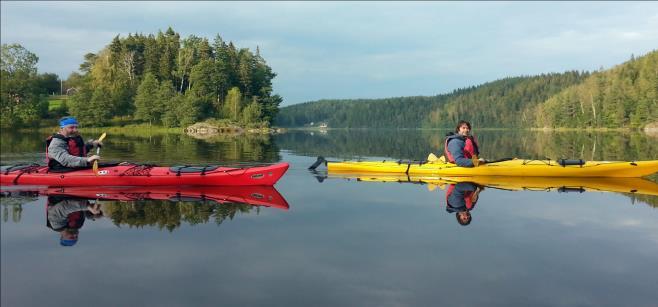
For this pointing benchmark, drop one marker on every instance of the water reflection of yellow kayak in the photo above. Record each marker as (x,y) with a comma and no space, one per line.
(564,184)
(514,167)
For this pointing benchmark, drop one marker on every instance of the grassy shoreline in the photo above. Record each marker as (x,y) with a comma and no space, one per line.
(138,129)
(129,130)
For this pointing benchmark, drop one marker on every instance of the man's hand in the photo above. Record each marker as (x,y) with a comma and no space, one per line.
(97,143)
(94,208)
(93,158)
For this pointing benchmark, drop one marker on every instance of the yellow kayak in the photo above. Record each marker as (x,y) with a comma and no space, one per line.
(512,167)
(562,184)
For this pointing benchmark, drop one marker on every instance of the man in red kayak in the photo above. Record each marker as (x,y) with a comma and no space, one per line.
(66,149)
(461,147)
(461,199)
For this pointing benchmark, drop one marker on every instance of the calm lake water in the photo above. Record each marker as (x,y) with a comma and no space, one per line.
(337,241)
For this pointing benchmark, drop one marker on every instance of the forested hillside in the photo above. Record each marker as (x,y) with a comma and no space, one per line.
(493,104)
(402,112)
(621,97)
(624,96)
(507,102)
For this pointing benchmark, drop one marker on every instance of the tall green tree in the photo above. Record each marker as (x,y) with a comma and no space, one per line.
(20,100)
(233,104)
(252,113)
(148,106)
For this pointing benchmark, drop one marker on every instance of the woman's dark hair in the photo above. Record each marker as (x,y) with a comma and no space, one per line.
(461,123)
(465,222)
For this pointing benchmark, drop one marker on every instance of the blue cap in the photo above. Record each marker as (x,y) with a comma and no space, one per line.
(65,242)
(68,121)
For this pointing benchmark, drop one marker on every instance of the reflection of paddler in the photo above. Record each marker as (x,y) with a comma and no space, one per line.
(67,215)
(461,199)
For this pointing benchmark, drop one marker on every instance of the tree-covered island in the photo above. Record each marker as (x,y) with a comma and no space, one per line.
(159,79)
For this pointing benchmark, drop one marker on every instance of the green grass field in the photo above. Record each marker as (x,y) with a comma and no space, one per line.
(56,101)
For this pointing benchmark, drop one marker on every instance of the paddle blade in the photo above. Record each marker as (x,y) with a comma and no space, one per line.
(98,151)
(95,167)
(476,161)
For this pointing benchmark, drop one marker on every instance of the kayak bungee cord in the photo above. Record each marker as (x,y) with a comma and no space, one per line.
(139,170)
(24,170)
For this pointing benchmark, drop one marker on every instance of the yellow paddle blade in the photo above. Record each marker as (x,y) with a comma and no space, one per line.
(95,167)
(98,151)
(476,161)
(431,158)
(431,187)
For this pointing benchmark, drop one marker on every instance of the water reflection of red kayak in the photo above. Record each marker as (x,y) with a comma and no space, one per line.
(252,195)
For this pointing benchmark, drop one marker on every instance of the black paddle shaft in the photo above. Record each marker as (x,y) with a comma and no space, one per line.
(317,163)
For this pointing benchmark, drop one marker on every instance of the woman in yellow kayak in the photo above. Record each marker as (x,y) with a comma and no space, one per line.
(461,147)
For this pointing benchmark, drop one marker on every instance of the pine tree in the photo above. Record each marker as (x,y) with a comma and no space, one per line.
(148,106)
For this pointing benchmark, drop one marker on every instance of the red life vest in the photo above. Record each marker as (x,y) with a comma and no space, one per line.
(468,196)
(470,147)
(76,148)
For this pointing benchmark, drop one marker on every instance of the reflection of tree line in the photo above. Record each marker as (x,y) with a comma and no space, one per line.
(13,210)
(161,214)
(175,148)
(169,215)
(13,206)
(165,148)
(647,199)
(494,144)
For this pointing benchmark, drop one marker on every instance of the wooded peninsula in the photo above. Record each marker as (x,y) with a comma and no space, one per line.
(144,79)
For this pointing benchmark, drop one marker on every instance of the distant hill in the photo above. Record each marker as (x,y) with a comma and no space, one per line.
(493,104)
(624,96)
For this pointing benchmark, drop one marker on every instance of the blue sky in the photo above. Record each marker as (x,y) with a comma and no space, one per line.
(357,49)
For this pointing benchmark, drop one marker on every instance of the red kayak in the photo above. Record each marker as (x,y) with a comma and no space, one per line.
(266,196)
(144,175)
